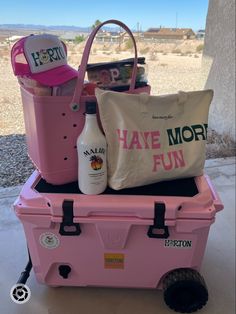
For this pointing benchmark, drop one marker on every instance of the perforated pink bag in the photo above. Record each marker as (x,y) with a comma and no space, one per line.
(53,123)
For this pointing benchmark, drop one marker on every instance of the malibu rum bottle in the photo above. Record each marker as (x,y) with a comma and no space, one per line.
(92,148)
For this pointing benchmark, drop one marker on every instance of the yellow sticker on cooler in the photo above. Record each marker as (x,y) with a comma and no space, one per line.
(114,260)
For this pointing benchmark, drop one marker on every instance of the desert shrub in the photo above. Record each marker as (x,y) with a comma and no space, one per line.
(145,50)
(79,39)
(196,56)
(128,44)
(176,51)
(219,145)
(199,48)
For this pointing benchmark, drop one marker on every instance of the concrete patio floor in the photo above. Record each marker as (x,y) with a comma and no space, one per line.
(218,268)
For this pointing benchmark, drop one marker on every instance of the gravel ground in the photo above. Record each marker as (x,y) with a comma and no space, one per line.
(166,73)
(15,166)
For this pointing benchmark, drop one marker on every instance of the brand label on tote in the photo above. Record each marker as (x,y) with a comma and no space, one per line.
(114,260)
(178,244)
(49,240)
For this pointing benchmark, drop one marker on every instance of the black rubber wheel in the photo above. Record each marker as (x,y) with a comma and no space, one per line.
(185,290)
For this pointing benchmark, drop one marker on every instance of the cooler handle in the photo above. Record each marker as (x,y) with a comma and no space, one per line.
(159,230)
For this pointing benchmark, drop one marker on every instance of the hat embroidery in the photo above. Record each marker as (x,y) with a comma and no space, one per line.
(47,55)
(44,56)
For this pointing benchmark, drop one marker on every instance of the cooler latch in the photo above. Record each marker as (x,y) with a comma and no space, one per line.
(67,226)
(158,229)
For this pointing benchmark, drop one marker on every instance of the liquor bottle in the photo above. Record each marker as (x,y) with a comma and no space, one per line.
(92,148)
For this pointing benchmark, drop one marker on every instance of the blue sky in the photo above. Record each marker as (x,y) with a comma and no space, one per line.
(148,13)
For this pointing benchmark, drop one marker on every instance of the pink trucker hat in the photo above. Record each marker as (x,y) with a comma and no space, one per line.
(42,58)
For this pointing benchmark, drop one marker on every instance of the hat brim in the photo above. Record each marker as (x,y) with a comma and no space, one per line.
(56,76)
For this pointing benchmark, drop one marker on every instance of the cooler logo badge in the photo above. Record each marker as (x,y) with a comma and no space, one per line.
(49,240)
(178,244)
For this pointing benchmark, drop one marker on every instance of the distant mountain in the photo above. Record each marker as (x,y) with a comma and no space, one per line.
(26,27)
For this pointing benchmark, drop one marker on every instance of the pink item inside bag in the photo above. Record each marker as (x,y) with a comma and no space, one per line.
(42,58)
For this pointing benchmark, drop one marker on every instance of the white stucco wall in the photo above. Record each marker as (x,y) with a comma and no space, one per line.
(219,65)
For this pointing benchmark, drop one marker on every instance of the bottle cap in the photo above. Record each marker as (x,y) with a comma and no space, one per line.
(91,107)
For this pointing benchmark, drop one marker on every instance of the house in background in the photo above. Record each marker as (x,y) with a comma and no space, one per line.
(169,33)
(200,34)
(109,37)
(71,36)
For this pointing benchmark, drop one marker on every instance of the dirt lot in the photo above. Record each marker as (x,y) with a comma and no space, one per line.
(167,73)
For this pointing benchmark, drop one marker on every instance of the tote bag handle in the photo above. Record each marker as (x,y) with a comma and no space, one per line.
(85,57)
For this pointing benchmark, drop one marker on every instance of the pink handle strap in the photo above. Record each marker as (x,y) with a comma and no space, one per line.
(85,57)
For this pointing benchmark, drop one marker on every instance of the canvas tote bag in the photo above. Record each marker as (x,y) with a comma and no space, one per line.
(154,138)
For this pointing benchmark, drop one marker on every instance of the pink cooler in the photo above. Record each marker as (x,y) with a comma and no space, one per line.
(147,237)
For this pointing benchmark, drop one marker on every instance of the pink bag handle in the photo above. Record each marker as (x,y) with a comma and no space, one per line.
(85,57)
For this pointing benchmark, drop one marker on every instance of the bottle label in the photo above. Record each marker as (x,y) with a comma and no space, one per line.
(96,157)
(92,164)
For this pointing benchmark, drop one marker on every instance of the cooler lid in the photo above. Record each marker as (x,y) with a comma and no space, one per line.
(192,198)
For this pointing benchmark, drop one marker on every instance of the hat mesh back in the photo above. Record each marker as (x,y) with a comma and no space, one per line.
(18,56)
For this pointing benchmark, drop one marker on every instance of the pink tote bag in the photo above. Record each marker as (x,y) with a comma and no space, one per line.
(53,123)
